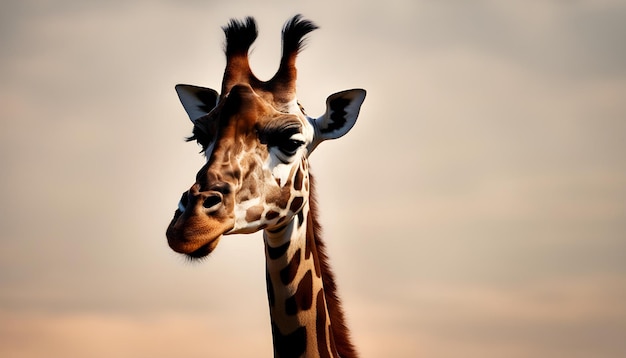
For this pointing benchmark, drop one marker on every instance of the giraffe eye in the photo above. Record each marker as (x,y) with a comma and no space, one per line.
(287,139)
(290,146)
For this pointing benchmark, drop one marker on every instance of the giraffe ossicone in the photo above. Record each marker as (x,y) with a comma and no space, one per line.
(257,138)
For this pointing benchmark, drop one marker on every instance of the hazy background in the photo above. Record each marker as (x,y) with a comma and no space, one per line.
(477,209)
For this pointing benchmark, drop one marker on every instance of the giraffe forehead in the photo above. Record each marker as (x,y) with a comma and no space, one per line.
(256,111)
(287,114)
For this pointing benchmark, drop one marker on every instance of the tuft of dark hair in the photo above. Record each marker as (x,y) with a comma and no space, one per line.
(200,136)
(339,328)
(294,33)
(239,36)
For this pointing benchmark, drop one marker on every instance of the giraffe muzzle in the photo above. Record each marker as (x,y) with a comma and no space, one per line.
(201,219)
(203,201)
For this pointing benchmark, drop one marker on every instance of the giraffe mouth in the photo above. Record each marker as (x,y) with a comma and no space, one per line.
(203,251)
(199,222)
(195,236)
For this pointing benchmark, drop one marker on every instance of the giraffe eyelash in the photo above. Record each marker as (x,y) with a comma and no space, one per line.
(201,136)
(286,137)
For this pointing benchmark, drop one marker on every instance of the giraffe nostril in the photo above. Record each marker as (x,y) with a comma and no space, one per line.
(212,201)
(222,188)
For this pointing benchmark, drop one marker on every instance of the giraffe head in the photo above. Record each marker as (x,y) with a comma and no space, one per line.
(256,139)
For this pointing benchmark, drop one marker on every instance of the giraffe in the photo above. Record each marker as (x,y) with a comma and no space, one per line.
(256,139)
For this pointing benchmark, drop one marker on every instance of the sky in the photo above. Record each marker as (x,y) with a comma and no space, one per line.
(477,208)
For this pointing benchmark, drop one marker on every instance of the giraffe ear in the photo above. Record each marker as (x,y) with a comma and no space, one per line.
(342,110)
(197,101)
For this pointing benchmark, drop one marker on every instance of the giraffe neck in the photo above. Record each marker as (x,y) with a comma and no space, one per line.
(306,316)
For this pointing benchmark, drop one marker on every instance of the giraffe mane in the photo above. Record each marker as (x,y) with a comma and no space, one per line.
(340,331)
